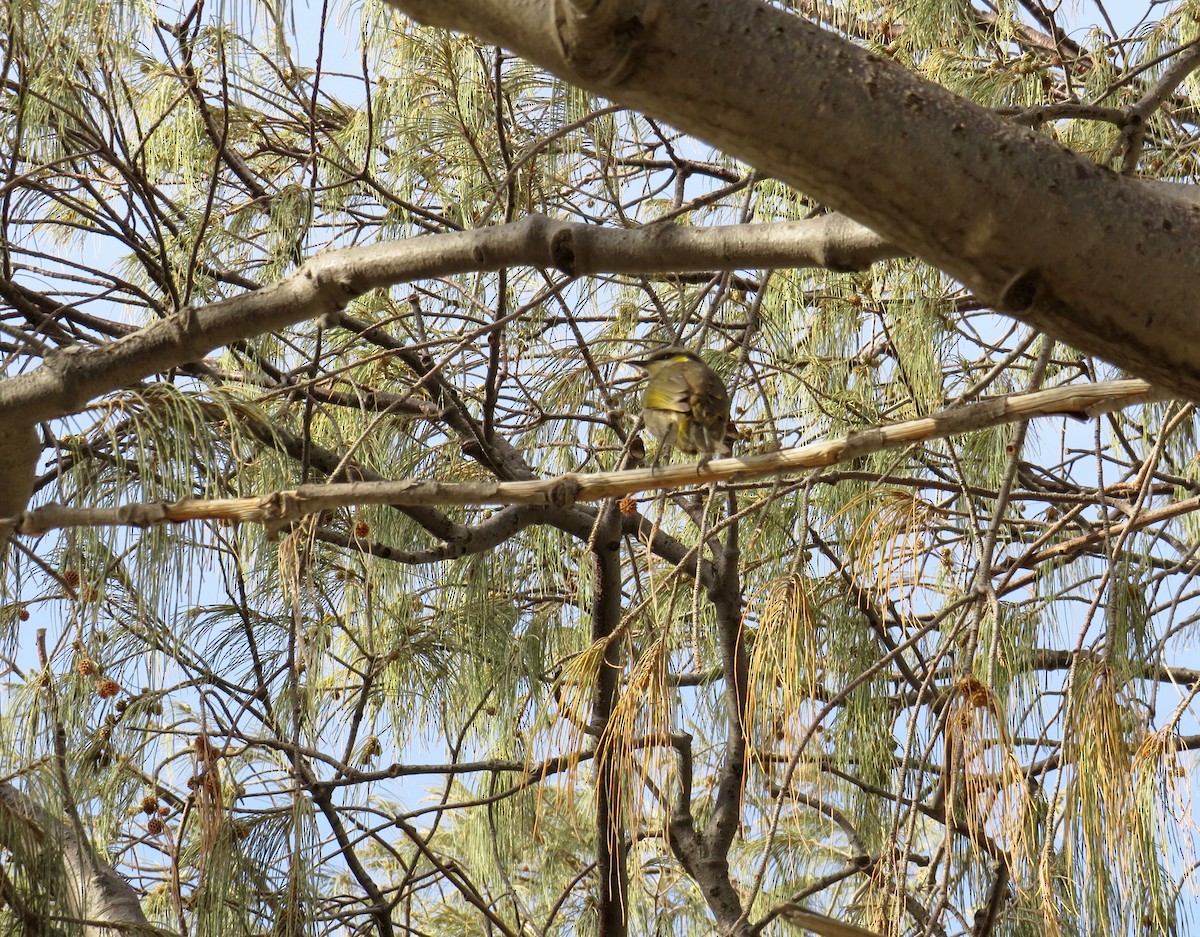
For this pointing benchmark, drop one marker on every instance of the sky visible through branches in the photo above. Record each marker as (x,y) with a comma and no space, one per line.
(334,622)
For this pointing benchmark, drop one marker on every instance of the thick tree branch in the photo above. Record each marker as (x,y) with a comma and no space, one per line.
(284,507)
(1061,243)
(73,376)
(91,890)
(716,881)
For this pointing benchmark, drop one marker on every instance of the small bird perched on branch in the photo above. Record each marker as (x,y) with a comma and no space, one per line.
(685,404)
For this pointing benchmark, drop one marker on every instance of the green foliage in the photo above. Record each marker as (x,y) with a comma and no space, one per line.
(960,656)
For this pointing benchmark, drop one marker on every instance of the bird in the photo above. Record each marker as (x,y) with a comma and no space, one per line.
(685,404)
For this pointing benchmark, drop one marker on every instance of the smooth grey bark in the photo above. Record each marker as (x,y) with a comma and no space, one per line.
(72,377)
(19,451)
(1093,258)
(91,889)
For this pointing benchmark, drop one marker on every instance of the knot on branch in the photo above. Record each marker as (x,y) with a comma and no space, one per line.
(598,38)
(563,492)
(279,509)
(142,515)
(334,284)
(63,361)
(1022,291)
(562,251)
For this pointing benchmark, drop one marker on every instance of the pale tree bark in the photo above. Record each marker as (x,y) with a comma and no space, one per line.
(279,509)
(93,891)
(1090,257)
(72,377)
